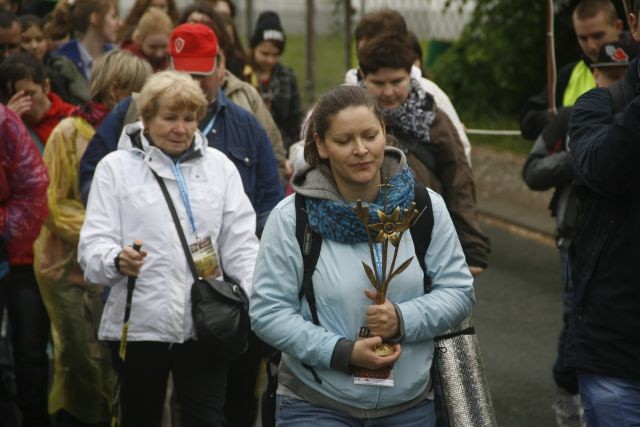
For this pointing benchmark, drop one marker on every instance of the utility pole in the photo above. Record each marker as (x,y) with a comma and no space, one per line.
(310,53)
(347,34)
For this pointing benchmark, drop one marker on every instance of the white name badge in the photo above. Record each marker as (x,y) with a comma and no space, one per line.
(205,258)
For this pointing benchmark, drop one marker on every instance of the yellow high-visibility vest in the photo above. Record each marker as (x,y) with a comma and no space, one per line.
(581,80)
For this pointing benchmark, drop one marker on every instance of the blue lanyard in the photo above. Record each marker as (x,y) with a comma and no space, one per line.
(209,126)
(183,192)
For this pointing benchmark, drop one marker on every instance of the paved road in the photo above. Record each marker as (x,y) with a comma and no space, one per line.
(518,317)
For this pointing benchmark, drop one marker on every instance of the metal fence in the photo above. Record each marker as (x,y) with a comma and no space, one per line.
(430,20)
(315,20)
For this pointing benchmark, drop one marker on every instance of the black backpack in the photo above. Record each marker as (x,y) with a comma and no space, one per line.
(310,244)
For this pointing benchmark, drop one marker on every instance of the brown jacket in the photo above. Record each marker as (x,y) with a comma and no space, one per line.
(246,96)
(450,176)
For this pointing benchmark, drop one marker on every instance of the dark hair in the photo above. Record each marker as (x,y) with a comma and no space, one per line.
(328,105)
(28,21)
(636,7)
(68,18)
(385,51)
(19,66)
(374,23)
(7,18)
(589,8)
(416,48)
(236,56)
(216,24)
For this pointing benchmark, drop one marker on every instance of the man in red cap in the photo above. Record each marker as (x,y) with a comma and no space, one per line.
(228,127)
(194,49)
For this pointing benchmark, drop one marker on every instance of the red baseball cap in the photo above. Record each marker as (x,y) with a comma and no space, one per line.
(193,48)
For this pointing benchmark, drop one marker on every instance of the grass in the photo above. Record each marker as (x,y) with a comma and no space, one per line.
(329,67)
(329,71)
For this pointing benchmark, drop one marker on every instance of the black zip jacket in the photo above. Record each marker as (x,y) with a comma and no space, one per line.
(604,335)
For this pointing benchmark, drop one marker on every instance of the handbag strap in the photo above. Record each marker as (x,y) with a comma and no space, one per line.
(176,221)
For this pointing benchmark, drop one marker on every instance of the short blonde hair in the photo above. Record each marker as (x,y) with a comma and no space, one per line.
(153,21)
(179,89)
(118,69)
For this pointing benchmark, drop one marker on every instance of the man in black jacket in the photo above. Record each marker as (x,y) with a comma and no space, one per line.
(595,22)
(604,341)
(550,165)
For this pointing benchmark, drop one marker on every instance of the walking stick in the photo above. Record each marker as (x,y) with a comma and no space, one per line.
(122,352)
(131,284)
(551,63)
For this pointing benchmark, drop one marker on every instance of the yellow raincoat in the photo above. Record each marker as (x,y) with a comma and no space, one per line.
(83,377)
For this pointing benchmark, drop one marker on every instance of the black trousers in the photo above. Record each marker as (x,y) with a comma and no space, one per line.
(29,323)
(199,380)
(241,405)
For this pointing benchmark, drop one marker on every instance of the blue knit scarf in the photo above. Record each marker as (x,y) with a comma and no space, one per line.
(336,220)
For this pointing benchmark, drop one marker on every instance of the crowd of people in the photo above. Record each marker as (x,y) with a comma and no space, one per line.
(161,129)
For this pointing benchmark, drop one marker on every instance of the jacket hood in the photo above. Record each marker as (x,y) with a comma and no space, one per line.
(125,142)
(317,181)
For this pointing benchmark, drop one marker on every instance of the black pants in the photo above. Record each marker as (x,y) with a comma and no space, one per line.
(241,407)
(29,322)
(565,376)
(199,379)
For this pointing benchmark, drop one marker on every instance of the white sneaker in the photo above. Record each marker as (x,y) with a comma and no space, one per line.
(568,410)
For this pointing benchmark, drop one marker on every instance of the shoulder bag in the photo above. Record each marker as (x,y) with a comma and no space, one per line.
(220,309)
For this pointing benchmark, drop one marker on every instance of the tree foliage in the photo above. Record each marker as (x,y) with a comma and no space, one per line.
(500,58)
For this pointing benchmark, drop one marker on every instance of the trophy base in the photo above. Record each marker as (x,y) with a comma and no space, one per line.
(383,350)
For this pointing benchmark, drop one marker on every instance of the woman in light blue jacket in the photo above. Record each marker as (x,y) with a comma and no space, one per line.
(348,161)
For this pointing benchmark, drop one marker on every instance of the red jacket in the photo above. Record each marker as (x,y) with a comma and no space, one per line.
(58,111)
(23,188)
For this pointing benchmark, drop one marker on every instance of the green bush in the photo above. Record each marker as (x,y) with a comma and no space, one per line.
(500,59)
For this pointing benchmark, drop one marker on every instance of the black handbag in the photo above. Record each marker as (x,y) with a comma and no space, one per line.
(220,309)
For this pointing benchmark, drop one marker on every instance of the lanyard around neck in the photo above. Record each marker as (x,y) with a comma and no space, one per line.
(209,126)
(183,193)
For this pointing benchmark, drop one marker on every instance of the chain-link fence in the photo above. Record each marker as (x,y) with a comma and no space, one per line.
(319,45)
(428,19)
(319,32)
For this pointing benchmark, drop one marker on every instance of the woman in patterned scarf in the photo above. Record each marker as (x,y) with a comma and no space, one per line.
(330,373)
(426,135)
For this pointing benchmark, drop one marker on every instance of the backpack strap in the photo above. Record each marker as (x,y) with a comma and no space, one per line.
(421,230)
(310,244)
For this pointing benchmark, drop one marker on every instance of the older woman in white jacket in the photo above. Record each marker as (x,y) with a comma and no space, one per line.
(126,204)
